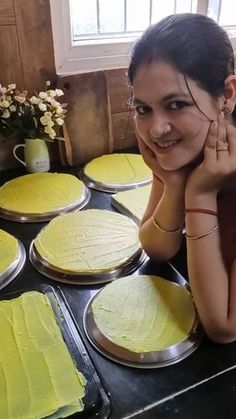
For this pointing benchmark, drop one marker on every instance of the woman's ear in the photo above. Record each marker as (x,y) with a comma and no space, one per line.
(229,94)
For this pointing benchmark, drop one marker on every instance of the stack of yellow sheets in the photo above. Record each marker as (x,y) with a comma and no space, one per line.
(9,251)
(89,241)
(38,377)
(39,193)
(144,313)
(118,169)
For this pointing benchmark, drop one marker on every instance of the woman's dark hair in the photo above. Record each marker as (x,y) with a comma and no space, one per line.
(194,44)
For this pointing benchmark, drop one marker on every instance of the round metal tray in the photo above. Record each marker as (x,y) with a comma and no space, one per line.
(110,187)
(83,278)
(146,360)
(14,269)
(37,218)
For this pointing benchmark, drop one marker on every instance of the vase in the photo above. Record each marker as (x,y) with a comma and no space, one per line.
(36,155)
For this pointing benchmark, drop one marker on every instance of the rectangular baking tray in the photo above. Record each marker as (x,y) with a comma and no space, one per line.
(96,401)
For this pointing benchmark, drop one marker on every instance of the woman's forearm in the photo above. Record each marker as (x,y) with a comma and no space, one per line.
(161,239)
(213,286)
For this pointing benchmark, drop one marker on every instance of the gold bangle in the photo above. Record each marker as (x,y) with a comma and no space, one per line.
(202,235)
(155,223)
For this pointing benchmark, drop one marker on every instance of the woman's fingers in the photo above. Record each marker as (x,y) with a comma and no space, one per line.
(222,145)
(231,137)
(211,142)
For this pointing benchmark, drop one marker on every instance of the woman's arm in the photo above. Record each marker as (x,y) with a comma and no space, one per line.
(161,226)
(161,239)
(213,284)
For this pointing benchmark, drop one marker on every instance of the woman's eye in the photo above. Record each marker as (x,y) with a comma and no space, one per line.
(178,104)
(142,109)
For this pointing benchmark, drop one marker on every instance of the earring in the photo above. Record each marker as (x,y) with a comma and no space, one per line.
(226,109)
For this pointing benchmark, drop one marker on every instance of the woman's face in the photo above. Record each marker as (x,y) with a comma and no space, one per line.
(168,120)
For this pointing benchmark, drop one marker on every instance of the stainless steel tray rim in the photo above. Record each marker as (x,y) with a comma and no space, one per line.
(155,359)
(14,269)
(37,218)
(111,187)
(84,278)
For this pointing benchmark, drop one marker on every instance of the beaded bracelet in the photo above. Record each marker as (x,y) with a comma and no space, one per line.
(201,211)
(202,235)
(155,223)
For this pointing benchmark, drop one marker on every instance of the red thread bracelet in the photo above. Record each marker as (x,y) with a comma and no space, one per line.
(201,211)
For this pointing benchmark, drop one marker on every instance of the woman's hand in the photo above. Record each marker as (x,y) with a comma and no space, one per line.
(219,162)
(174,177)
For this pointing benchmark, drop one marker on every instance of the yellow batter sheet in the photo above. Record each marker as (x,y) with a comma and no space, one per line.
(144,313)
(88,241)
(39,193)
(9,251)
(37,375)
(118,169)
(134,201)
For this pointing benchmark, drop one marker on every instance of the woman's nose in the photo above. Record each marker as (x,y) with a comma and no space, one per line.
(159,128)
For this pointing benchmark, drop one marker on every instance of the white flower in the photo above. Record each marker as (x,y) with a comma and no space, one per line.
(48,114)
(20,98)
(35,100)
(59,92)
(47,121)
(3,90)
(12,108)
(50,100)
(51,93)
(11,86)
(4,103)
(48,83)
(42,107)
(50,132)
(43,95)
(6,114)
(58,108)
(59,121)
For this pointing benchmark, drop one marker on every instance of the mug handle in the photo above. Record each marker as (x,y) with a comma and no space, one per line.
(15,155)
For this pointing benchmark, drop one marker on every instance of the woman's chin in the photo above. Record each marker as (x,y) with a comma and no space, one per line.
(171,165)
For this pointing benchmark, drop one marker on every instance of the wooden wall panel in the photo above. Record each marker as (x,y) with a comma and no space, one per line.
(123,131)
(88,118)
(11,67)
(35,40)
(7,14)
(118,90)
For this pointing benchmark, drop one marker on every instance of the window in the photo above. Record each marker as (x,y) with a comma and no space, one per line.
(98,34)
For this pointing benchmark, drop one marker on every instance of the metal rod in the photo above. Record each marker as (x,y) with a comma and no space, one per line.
(150,12)
(98,16)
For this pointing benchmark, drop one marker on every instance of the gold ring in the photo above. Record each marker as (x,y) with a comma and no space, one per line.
(222,148)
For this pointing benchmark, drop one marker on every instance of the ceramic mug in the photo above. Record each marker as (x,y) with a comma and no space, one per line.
(36,156)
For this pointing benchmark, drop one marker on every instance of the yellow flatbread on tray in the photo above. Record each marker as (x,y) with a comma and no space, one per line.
(144,313)
(117,168)
(38,377)
(132,202)
(39,193)
(89,241)
(9,250)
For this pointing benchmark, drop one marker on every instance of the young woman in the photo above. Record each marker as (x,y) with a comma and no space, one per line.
(184,94)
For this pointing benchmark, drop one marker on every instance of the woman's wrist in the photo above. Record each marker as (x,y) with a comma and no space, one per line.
(206,200)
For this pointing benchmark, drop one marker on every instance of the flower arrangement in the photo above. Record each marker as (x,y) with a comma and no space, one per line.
(38,116)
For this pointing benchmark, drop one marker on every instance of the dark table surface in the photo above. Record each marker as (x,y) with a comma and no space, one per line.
(202,386)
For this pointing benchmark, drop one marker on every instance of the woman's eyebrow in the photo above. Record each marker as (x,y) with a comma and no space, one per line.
(175,95)
(136,101)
